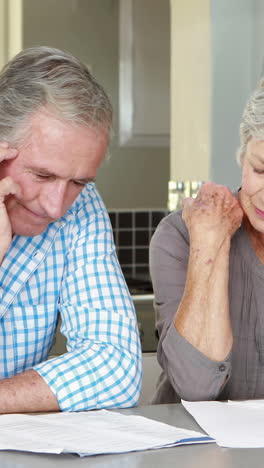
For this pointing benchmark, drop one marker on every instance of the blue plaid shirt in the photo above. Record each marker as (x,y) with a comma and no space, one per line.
(72,270)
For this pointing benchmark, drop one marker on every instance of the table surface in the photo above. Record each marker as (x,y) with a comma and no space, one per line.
(189,456)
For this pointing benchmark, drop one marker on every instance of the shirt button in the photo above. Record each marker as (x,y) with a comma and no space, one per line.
(222,367)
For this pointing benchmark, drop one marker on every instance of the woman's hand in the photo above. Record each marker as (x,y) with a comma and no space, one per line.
(213,216)
(203,316)
(7,187)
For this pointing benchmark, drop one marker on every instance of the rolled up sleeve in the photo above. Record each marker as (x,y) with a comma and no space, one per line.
(102,368)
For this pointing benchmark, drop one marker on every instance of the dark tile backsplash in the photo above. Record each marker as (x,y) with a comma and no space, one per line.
(125,220)
(132,233)
(142,237)
(142,219)
(125,238)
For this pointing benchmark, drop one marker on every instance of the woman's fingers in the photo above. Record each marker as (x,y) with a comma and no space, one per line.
(214,213)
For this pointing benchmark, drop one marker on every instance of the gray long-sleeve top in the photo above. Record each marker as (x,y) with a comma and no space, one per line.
(189,374)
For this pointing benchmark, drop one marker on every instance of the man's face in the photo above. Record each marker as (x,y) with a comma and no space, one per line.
(252,190)
(54,162)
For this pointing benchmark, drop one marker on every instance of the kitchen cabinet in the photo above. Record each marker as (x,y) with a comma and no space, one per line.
(144,72)
(151,373)
(146,322)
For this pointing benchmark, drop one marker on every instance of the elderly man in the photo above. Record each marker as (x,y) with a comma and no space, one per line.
(56,247)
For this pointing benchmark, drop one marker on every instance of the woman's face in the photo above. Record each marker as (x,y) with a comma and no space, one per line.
(252,190)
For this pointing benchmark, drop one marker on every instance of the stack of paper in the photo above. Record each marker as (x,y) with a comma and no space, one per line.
(90,433)
(231,424)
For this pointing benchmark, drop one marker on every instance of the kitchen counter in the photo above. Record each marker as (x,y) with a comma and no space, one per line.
(188,456)
(142,298)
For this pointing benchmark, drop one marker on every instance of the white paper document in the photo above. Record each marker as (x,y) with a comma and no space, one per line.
(232,424)
(90,433)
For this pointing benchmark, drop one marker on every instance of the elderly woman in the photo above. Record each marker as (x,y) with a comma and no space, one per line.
(207,268)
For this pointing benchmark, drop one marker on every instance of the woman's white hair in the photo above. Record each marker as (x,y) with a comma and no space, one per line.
(42,76)
(252,123)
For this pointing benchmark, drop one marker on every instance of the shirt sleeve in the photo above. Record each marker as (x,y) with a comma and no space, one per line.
(102,368)
(192,375)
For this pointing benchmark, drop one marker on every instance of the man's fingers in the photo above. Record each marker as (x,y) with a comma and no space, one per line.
(6,152)
(9,187)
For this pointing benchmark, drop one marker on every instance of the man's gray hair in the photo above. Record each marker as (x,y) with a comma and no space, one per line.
(252,123)
(42,76)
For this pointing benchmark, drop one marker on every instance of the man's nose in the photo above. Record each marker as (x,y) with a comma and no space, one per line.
(52,199)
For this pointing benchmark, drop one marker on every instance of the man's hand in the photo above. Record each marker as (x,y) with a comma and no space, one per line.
(213,216)
(7,187)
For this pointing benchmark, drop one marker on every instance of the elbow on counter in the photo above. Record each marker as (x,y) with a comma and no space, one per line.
(128,390)
(121,390)
(196,391)
(109,378)
(193,376)
(200,383)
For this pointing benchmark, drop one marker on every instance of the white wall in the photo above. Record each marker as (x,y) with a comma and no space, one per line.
(258,40)
(233,79)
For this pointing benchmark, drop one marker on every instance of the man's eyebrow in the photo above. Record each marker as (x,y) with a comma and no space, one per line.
(85,180)
(40,170)
(46,172)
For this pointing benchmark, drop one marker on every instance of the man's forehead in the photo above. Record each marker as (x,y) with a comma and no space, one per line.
(62,148)
(50,128)
(47,126)
(46,119)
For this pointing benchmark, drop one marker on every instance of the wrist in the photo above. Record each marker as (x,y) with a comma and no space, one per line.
(210,244)
(205,258)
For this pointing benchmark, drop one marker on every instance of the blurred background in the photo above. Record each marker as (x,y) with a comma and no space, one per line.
(202,57)
(178,74)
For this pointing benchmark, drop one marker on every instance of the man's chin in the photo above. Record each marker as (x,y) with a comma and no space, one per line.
(28,230)
(25,223)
